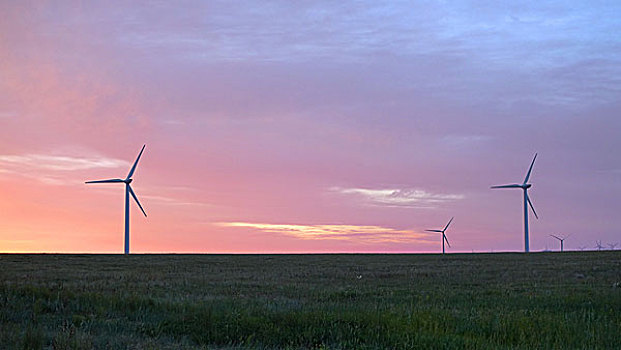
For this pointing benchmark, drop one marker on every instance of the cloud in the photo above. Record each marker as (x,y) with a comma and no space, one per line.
(413,198)
(46,168)
(354,233)
(61,163)
(459,141)
(571,46)
(166,200)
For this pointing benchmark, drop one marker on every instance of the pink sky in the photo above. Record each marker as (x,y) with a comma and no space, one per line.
(308,126)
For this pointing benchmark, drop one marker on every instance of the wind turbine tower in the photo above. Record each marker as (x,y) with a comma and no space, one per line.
(598,245)
(443,234)
(561,240)
(128,191)
(524,186)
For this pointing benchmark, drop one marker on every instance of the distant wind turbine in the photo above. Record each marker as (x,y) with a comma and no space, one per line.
(128,191)
(613,245)
(443,234)
(561,239)
(524,186)
(598,245)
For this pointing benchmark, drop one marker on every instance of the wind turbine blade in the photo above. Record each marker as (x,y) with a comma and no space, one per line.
(446,239)
(531,206)
(136,199)
(131,172)
(433,230)
(556,237)
(530,169)
(508,186)
(103,181)
(447,225)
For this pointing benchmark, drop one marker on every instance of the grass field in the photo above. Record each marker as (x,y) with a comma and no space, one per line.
(460,301)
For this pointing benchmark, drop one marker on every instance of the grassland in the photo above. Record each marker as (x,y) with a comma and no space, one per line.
(462,301)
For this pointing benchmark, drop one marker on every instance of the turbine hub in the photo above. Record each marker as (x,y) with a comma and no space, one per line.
(526,186)
(128,181)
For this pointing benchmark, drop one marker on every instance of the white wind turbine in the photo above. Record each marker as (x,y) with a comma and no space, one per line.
(561,239)
(598,245)
(443,234)
(128,191)
(524,186)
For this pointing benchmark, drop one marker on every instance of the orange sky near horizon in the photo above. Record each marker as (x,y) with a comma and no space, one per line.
(307,127)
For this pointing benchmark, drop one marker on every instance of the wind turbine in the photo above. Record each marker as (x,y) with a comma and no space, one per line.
(128,190)
(524,186)
(443,235)
(561,240)
(598,245)
(613,245)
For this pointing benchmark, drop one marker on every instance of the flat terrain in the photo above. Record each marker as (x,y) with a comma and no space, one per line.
(460,301)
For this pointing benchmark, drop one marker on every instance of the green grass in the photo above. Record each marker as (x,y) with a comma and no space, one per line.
(460,301)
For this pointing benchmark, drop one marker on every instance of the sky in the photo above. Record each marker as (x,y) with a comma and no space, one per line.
(309,126)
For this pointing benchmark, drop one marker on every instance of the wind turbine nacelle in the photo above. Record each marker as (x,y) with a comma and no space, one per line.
(527,186)
(128,181)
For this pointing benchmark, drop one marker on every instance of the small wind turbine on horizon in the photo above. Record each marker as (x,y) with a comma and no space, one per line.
(598,245)
(128,191)
(443,234)
(613,245)
(524,186)
(561,239)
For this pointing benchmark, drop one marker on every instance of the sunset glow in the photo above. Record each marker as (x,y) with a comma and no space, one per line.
(275,127)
